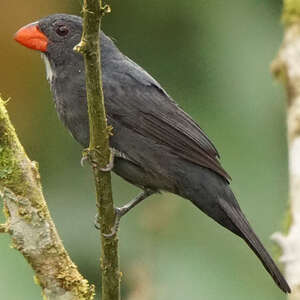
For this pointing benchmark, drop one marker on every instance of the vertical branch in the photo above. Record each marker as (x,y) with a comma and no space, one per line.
(287,67)
(99,151)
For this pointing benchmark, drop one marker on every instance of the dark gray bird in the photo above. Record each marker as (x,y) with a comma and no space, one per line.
(157,145)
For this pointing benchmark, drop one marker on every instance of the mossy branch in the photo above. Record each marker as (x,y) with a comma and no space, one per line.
(99,151)
(291,12)
(286,67)
(29,223)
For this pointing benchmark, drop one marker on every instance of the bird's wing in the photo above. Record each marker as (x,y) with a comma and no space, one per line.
(144,107)
(187,142)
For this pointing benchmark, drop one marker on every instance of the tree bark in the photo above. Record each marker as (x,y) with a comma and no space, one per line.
(99,152)
(287,68)
(29,223)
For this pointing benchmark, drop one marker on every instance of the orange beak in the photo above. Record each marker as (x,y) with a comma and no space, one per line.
(31,37)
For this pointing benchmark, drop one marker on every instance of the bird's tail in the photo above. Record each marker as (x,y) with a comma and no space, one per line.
(212,194)
(245,231)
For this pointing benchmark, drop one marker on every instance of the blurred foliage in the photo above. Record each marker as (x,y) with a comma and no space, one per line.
(213,57)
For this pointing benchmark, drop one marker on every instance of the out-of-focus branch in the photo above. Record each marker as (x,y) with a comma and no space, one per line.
(29,223)
(287,68)
(98,152)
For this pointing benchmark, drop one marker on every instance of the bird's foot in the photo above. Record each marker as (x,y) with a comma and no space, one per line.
(96,222)
(115,228)
(88,156)
(121,211)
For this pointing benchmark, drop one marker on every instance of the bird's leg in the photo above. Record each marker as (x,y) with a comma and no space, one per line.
(88,156)
(121,211)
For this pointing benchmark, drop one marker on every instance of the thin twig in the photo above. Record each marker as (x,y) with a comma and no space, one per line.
(98,151)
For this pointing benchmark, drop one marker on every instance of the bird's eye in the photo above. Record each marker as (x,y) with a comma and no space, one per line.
(62,30)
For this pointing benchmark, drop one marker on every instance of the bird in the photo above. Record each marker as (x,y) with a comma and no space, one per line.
(157,146)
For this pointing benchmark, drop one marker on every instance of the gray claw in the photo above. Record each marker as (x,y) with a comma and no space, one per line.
(83,160)
(111,234)
(121,211)
(96,222)
(110,165)
(115,228)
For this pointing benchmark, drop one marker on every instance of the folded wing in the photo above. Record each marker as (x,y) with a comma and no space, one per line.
(144,107)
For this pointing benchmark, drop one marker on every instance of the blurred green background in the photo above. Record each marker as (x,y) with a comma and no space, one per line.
(213,57)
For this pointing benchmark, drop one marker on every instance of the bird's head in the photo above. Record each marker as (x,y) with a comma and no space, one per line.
(56,33)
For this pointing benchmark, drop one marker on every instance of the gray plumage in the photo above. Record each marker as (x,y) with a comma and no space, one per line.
(163,148)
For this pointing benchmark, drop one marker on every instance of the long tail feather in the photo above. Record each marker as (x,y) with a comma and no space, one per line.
(240,221)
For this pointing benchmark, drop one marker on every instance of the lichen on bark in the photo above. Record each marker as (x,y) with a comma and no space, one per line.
(29,223)
(286,67)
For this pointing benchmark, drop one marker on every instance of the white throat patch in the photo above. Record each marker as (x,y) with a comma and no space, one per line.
(49,71)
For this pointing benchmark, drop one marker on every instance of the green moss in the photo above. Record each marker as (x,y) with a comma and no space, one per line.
(11,174)
(285,226)
(36,280)
(85,291)
(287,221)
(44,296)
(291,12)
(76,285)
(25,214)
